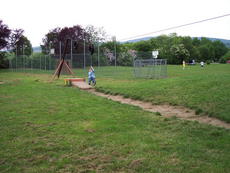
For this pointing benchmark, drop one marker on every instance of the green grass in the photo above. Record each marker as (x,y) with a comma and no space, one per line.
(205,90)
(46,127)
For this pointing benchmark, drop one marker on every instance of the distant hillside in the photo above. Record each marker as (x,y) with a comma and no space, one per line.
(139,39)
(226,42)
(37,49)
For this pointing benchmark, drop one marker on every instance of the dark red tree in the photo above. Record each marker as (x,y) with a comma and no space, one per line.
(56,36)
(4,35)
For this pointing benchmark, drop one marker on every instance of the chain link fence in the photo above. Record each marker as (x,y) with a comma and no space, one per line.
(119,66)
(150,68)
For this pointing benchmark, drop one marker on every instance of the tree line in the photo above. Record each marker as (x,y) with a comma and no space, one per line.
(175,49)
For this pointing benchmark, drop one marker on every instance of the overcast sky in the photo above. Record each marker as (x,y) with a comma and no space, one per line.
(120,18)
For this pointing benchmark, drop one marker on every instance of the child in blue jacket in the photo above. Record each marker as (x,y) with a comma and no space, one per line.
(91,76)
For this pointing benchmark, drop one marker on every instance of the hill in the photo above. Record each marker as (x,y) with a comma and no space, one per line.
(37,49)
(225,41)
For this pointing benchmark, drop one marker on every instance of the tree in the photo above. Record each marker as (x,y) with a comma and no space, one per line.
(15,36)
(180,53)
(96,34)
(79,36)
(142,46)
(220,49)
(126,58)
(4,35)
(204,52)
(110,47)
(14,41)
(23,46)
(196,42)
(225,57)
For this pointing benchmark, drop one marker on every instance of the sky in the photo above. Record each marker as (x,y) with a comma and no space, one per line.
(120,18)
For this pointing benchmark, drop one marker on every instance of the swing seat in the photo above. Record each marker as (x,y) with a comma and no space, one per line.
(68,81)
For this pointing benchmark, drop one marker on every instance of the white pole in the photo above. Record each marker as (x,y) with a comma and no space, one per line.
(115,53)
(98,55)
(84,53)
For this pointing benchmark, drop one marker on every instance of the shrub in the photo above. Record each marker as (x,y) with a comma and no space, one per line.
(225,58)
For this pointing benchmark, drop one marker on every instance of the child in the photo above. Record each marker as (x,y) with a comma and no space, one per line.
(183,64)
(91,76)
(202,64)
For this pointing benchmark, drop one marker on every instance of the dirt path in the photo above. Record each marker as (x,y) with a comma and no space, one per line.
(166,110)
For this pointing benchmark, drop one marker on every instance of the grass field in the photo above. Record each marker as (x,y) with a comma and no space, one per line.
(205,90)
(46,127)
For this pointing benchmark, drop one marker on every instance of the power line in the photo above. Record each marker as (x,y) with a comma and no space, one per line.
(174,27)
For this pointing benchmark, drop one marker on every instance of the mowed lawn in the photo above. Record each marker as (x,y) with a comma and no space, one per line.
(46,127)
(206,90)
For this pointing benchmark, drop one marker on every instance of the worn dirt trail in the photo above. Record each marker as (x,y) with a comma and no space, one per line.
(166,110)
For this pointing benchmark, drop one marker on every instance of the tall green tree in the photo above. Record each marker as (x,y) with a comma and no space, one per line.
(23,46)
(179,53)
(220,49)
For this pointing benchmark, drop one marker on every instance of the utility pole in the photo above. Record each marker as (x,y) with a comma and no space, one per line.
(115,51)
(84,52)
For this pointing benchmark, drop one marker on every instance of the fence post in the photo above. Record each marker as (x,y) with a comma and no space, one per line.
(45,62)
(40,62)
(71,53)
(31,68)
(16,62)
(23,58)
(59,50)
(84,53)
(10,65)
(98,56)
(49,62)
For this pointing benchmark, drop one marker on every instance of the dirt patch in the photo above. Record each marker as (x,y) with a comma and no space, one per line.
(90,130)
(136,163)
(82,85)
(166,110)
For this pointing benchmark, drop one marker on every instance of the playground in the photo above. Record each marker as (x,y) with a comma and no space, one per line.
(74,130)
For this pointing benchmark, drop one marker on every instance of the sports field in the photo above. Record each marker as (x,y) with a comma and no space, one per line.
(47,127)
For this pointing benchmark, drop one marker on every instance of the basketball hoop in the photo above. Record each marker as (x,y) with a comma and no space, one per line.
(155,53)
(52,51)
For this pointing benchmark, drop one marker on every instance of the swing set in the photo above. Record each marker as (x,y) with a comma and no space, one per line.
(79,82)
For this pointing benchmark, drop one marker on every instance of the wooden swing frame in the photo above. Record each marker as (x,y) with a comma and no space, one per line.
(63,63)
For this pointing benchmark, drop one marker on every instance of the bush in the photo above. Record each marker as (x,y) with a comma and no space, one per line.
(4,62)
(208,62)
(225,58)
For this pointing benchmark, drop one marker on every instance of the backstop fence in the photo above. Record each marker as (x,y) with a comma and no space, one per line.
(150,68)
